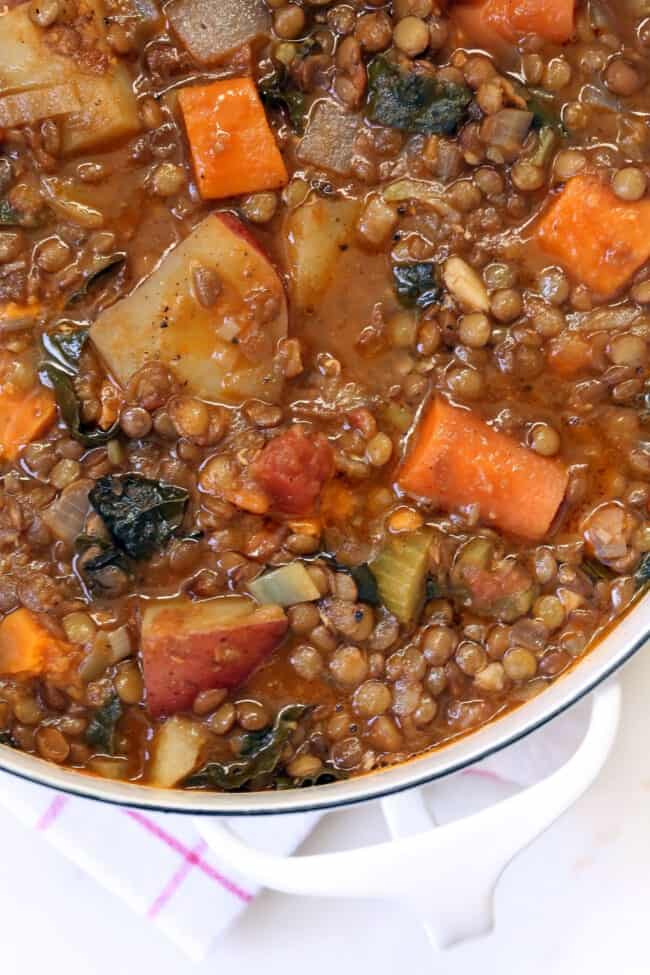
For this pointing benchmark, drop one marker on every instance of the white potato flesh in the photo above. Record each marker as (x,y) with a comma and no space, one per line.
(176,751)
(317,233)
(210,30)
(27,107)
(107,109)
(223,352)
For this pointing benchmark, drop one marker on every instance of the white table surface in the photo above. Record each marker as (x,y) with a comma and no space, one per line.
(577,900)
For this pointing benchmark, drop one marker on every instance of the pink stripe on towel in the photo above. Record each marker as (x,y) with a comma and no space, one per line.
(52,812)
(189,855)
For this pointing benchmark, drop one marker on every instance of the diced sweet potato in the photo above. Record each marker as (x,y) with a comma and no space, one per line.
(27,648)
(24,416)
(191,647)
(599,239)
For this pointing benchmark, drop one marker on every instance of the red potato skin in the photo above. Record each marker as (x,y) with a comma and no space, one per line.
(180,662)
(234,224)
(292,469)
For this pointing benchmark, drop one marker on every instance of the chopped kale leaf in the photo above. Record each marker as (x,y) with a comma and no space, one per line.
(414,101)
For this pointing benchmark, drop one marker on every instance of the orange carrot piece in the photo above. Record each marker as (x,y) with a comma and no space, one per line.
(458,460)
(551,19)
(598,238)
(485,22)
(23,417)
(28,648)
(232,145)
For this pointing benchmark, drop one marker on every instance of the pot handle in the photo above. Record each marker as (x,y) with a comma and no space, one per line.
(446,875)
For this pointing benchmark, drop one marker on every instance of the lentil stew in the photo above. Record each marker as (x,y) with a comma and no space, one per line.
(324,374)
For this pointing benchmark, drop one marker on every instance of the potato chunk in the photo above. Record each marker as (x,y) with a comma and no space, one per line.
(222,350)
(108,109)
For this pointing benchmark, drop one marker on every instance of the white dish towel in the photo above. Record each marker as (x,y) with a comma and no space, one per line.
(161,867)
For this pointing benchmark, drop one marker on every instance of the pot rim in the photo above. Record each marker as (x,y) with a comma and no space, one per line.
(618,644)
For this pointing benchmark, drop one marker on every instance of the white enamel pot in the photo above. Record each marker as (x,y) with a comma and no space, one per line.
(420,860)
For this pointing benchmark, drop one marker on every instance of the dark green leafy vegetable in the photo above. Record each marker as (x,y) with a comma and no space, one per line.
(596,571)
(323,777)
(100,732)
(642,574)
(101,556)
(141,514)
(544,114)
(61,366)
(276,91)
(366,584)
(417,285)
(414,101)
(260,755)
(432,589)
(66,346)
(546,142)
(362,575)
(9,217)
(99,276)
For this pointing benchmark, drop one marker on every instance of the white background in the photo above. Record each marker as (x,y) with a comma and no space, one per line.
(578,898)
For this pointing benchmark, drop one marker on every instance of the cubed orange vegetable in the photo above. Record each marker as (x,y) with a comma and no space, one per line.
(28,648)
(486,21)
(24,416)
(599,239)
(458,460)
(232,145)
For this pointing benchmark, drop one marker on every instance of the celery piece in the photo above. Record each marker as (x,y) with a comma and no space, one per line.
(285,586)
(401,570)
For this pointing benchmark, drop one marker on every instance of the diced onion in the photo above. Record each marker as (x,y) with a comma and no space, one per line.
(425,192)
(66,206)
(212,30)
(65,517)
(285,586)
(329,140)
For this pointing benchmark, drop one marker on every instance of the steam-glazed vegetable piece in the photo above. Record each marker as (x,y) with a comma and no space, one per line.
(232,146)
(317,233)
(285,586)
(88,89)
(599,238)
(221,348)
(459,460)
(210,31)
(191,647)
(400,570)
